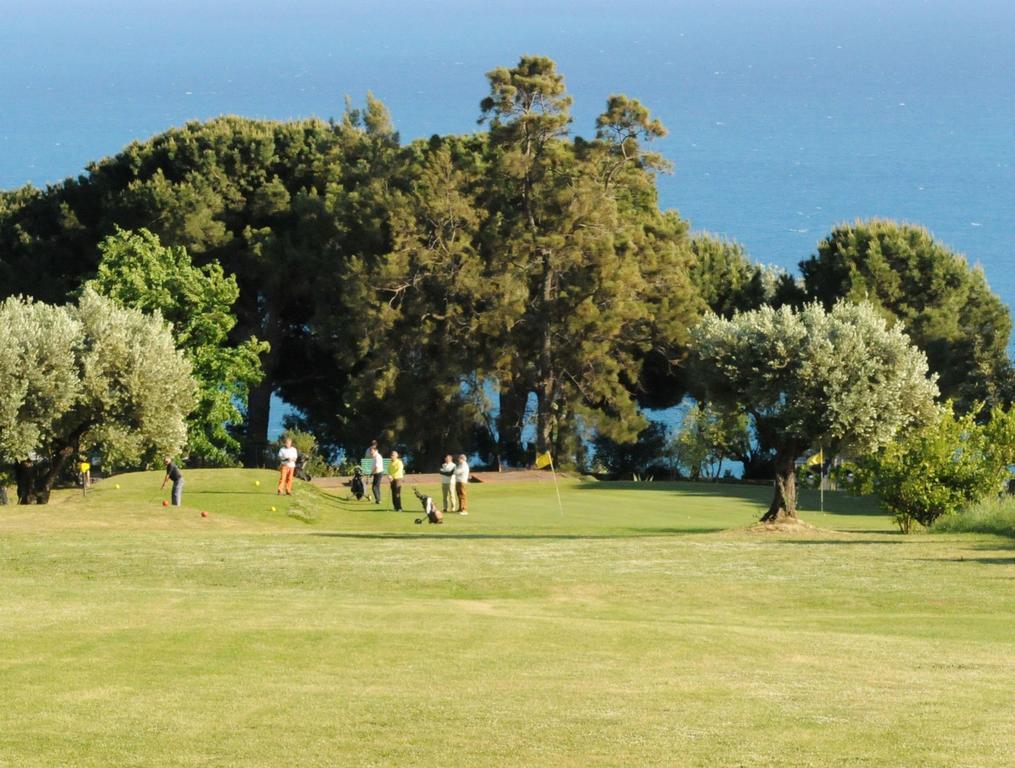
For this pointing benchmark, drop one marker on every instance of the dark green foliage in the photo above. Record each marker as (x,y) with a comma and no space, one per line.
(945,306)
(727,280)
(265,200)
(647,455)
(137,271)
(594,275)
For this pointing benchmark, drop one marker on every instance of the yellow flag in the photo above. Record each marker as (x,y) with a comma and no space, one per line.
(817,458)
(543,460)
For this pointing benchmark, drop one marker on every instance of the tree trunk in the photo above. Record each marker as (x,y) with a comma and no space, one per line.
(510,423)
(44,482)
(546,386)
(783,505)
(545,417)
(258,411)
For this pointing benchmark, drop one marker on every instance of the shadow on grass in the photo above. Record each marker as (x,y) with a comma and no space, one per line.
(836,502)
(426,535)
(897,539)
(984,560)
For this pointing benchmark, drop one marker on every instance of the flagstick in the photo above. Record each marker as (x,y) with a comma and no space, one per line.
(821,474)
(555,487)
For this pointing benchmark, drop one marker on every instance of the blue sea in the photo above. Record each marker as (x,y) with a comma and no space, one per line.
(785,116)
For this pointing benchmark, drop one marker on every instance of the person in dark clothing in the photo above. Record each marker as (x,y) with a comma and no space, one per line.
(23,477)
(173,473)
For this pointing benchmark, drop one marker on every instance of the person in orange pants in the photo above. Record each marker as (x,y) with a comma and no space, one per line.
(287,466)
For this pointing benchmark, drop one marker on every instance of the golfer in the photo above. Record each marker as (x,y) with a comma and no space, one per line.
(447,472)
(462,480)
(173,473)
(286,467)
(376,472)
(396,471)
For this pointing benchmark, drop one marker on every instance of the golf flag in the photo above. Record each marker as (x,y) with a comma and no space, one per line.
(815,459)
(544,459)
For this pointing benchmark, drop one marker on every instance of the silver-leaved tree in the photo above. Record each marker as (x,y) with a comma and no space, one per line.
(94,376)
(842,379)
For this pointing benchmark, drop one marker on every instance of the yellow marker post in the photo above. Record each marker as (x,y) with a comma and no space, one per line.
(543,460)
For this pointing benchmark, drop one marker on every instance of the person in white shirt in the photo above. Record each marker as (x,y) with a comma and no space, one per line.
(447,471)
(287,466)
(461,480)
(377,471)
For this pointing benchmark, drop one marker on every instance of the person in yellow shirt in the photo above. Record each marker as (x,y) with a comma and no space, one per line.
(396,471)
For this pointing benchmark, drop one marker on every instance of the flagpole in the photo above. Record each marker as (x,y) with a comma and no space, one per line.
(555,487)
(821,474)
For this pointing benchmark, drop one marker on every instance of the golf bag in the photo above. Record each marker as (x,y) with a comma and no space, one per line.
(356,486)
(433,515)
(301,470)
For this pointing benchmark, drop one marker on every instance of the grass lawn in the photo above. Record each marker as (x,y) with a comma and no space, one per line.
(644,627)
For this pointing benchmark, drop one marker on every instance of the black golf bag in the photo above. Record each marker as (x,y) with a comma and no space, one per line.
(356,486)
(433,515)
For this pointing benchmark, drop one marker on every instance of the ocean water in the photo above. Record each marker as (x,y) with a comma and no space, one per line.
(785,116)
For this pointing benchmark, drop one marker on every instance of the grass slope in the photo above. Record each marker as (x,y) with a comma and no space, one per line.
(644,627)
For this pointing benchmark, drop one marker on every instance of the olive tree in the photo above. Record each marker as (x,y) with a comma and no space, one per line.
(842,379)
(94,376)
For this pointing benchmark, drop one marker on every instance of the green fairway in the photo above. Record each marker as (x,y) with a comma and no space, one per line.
(644,626)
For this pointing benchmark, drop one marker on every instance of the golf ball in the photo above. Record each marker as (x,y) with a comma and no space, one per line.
(257,482)
(274,510)
(117,486)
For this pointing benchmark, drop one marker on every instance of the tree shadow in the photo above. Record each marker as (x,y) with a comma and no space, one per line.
(435,534)
(839,503)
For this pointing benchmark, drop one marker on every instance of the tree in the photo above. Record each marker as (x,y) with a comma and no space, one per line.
(707,437)
(727,280)
(593,274)
(415,317)
(276,204)
(842,379)
(638,457)
(137,271)
(84,377)
(936,469)
(945,306)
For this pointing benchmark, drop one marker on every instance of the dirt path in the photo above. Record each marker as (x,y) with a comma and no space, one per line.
(511,476)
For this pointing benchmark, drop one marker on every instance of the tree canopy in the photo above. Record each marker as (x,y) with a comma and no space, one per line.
(944,305)
(90,376)
(137,271)
(842,379)
(458,291)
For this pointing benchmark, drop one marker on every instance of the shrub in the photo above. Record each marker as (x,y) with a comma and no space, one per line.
(939,468)
(995,516)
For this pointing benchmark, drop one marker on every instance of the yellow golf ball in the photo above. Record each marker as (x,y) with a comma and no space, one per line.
(117,486)
(257,482)
(274,510)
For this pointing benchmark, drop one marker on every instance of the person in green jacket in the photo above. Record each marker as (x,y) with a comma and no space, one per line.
(396,471)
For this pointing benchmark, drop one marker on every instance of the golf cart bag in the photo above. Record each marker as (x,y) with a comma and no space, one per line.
(433,515)
(356,486)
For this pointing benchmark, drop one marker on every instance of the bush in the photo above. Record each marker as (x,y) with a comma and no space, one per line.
(306,446)
(950,463)
(995,516)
